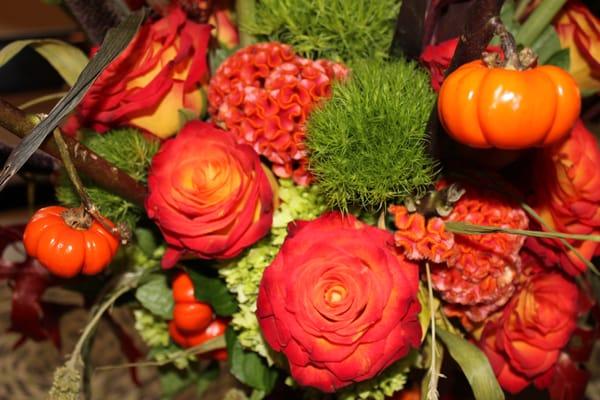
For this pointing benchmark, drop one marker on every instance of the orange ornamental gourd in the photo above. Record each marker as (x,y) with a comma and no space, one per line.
(508,104)
(69,242)
(194,321)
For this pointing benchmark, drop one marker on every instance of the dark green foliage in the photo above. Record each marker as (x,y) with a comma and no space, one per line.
(127,149)
(335,29)
(367,143)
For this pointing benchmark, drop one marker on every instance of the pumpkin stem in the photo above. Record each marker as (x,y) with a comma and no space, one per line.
(121,232)
(77,218)
(513,58)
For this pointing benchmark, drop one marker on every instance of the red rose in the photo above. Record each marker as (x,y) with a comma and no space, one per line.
(158,74)
(437,59)
(524,343)
(339,302)
(208,194)
(567,197)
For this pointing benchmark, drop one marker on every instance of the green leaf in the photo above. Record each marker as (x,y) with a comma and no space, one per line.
(538,21)
(173,381)
(116,40)
(474,365)
(561,59)
(155,295)
(212,290)
(248,366)
(66,59)
(145,240)
(546,45)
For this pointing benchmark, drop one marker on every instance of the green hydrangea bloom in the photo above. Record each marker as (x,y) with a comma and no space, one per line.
(154,331)
(244,274)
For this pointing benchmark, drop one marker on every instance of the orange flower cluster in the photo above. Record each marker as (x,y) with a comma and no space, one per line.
(567,197)
(475,274)
(523,343)
(263,94)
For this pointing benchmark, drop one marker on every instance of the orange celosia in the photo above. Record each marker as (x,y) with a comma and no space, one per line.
(475,274)
(263,94)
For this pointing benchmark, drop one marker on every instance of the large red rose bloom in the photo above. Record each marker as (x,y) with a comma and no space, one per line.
(339,302)
(208,194)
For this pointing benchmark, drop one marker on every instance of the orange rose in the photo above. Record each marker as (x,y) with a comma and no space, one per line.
(524,342)
(567,196)
(579,30)
(339,302)
(159,73)
(208,195)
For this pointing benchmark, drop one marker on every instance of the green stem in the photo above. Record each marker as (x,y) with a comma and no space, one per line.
(473,229)
(42,99)
(520,9)
(539,19)
(129,282)
(206,347)
(245,10)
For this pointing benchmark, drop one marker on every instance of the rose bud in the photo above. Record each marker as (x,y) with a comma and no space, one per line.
(579,30)
(524,343)
(567,197)
(158,74)
(208,194)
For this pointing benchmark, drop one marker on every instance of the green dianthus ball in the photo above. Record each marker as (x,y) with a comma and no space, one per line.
(368,142)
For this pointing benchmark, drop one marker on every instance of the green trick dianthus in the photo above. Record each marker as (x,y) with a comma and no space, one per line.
(368,142)
(334,29)
(128,150)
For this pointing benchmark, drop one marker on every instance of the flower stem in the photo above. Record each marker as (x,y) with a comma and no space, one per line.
(245,10)
(539,19)
(206,347)
(432,392)
(89,206)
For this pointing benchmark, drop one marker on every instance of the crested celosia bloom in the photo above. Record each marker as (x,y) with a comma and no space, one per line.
(523,342)
(579,31)
(567,197)
(263,94)
(478,277)
(421,239)
(475,274)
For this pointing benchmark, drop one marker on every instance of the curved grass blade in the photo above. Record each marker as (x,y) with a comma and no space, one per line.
(475,366)
(116,41)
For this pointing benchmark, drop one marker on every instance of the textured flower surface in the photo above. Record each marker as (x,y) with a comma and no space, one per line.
(339,302)
(579,30)
(158,74)
(208,194)
(567,197)
(263,94)
(479,276)
(475,274)
(421,239)
(523,342)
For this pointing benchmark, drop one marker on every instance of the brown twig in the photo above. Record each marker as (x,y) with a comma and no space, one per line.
(87,162)
(119,231)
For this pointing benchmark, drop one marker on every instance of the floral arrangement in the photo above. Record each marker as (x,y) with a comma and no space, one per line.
(323,199)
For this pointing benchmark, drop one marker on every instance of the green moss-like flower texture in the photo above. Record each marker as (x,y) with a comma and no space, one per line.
(368,143)
(334,29)
(129,151)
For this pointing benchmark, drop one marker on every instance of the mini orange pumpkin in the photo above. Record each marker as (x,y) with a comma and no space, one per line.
(68,242)
(483,106)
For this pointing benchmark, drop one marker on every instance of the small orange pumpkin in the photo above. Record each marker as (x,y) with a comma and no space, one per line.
(68,242)
(483,106)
